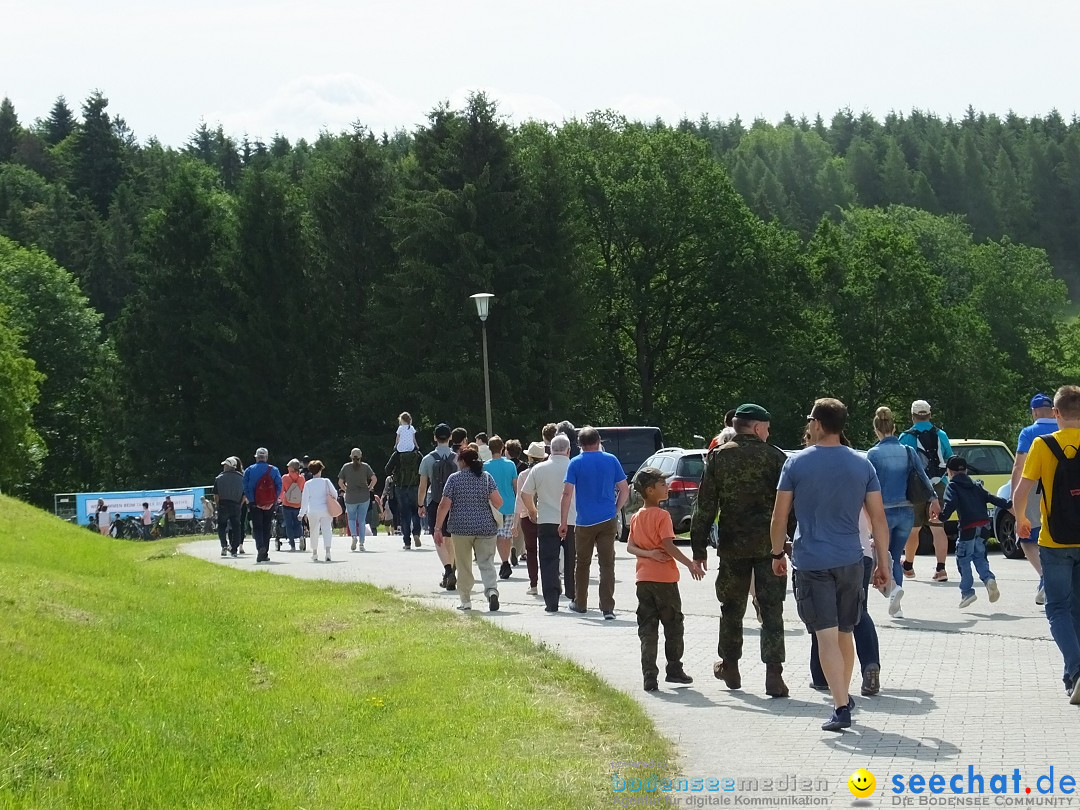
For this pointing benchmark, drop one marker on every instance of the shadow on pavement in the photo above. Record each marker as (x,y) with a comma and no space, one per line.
(926,624)
(872,743)
(684,696)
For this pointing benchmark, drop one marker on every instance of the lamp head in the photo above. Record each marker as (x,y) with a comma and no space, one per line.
(483,304)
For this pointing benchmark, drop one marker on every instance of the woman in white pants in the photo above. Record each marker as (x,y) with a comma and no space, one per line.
(313,505)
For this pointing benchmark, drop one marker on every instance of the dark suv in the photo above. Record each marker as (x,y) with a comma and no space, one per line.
(688,467)
(631,445)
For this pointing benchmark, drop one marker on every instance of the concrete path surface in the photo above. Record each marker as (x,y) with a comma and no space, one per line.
(977,687)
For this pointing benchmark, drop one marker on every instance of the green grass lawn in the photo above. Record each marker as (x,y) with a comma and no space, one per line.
(134,676)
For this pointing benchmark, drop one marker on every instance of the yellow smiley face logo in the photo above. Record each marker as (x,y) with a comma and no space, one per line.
(861,783)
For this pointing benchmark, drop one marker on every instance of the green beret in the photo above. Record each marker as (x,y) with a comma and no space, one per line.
(752,411)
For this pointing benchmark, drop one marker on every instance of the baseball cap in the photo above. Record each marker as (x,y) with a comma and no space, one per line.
(751,411)
(956,463)
(647,476)
(442,431)
(920,406)
(229,463)
(262,454)
(356,453)
(1041,401)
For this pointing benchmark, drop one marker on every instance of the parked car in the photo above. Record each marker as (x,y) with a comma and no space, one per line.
(990,463)
(631,445)
(1005,526)
(688,466)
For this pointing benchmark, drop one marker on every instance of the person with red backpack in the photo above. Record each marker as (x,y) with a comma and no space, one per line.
(292,494)
(262,488)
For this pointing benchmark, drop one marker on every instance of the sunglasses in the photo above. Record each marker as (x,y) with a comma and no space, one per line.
(810,418)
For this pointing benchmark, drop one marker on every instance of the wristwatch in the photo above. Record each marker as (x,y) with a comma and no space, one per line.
(779,556)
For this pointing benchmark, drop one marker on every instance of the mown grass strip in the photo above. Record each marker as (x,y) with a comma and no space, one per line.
(138,677)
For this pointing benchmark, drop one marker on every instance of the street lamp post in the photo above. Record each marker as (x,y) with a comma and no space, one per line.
(483,304)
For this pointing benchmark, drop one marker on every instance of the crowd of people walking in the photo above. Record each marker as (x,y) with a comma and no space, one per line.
(840,519)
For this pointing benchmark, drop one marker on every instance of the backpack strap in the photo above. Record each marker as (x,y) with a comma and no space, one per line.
(1055,448)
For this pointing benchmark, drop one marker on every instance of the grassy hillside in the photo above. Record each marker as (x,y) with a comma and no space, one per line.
(135,676)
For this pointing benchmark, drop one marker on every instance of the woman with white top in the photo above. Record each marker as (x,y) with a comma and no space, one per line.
(313,506)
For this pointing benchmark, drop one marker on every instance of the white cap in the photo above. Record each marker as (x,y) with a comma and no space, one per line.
(920,406)
(262,454)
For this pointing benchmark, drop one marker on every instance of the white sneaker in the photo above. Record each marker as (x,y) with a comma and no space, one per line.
(352,545)
(899,614)
(531,592)
(328,556)
(894,601)
(360,547)
(967,600)
(314,557)
(1040,596)
(993,590)
(1074,698)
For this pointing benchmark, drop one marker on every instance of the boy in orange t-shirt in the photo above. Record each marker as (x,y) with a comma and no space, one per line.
(652,541)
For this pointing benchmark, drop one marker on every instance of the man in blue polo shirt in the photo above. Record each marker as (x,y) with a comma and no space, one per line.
(1042,423)
(596,481)
(932,445)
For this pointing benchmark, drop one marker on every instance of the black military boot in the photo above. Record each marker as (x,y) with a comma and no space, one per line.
(774,681)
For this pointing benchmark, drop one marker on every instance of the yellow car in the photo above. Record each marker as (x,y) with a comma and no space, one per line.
(988,461)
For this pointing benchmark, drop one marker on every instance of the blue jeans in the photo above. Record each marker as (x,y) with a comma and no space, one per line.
(407,516)
(971,550)
(357,514)
(900,520)
(865,635)
(293,530)
(1061,579)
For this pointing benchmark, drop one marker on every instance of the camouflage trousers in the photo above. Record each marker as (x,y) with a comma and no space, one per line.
(732,589)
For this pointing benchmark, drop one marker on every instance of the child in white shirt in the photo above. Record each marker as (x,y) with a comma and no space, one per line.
(406,434)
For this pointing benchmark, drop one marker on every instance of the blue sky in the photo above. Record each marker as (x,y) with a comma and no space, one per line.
(261,68)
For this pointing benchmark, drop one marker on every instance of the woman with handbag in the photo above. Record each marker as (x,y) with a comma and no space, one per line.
(470,497)
(320,505)
(903,483)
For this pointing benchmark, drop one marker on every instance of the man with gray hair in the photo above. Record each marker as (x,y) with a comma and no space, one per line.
(262,487)
(541,495)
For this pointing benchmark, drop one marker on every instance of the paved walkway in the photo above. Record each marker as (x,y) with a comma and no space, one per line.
(951,680)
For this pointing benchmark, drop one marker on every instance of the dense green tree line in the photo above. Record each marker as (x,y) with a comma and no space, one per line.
(165,308)
(1012,176)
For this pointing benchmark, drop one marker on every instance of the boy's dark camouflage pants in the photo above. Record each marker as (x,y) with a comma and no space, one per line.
(659,602)
(732,587)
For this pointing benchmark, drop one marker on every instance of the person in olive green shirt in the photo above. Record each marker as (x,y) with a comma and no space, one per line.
(740,483)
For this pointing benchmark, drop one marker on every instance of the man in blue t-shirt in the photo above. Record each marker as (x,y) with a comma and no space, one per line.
(1042,423)
(596,481)
(829,485)
(505,473)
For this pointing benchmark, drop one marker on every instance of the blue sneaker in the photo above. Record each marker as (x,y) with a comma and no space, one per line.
(841,719)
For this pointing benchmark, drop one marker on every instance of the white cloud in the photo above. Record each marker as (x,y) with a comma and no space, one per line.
(308,105)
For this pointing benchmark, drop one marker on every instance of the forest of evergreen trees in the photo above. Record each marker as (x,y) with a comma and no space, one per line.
(163,308)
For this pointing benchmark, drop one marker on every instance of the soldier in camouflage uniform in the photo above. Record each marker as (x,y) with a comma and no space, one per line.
(740,483)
